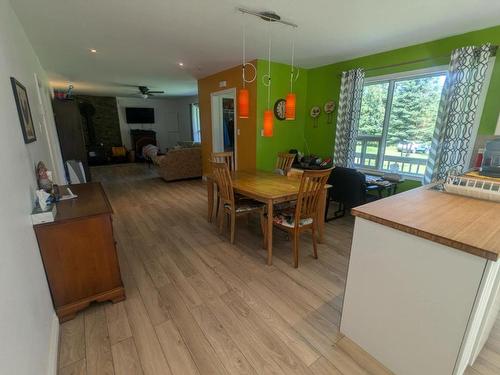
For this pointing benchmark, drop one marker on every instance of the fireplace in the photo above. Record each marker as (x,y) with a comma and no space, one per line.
(141,138)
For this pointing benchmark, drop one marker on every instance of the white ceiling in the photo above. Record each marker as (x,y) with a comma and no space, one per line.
(140,42)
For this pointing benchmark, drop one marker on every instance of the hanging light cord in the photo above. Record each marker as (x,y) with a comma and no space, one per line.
(244,57)
(245,64)
(269,71)
(292,77)
(291,72)
(266,78)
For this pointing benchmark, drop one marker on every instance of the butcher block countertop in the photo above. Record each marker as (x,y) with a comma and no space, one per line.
(463,223)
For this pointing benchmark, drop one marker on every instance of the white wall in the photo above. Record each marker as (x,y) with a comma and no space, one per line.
(27,323)
(183,105)
(172,119)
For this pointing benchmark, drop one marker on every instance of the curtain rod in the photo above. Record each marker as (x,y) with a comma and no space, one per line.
(493,52)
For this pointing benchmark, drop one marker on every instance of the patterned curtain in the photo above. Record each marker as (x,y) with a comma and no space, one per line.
(351,92)
(457,112)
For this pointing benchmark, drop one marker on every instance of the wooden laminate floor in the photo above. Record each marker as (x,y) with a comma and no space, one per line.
(488,361)
(198,305)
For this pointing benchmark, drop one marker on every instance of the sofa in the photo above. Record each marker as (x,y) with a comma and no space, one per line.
(180,163)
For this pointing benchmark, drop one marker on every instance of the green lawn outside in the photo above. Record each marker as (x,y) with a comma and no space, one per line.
(392,151)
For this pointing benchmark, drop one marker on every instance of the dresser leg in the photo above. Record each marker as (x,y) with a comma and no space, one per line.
(69,311)
(66,317)
(119,299)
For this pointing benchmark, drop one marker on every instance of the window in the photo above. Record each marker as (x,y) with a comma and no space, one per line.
(195,122)
(397,122)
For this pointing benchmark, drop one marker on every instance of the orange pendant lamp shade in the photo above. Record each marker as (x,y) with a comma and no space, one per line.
(243,103)
(268,123)
(290,106)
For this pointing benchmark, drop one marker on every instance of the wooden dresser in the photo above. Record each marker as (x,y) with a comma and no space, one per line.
(78,252)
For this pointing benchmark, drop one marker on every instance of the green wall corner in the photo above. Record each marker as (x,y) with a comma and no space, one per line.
(287,134)
(316,86)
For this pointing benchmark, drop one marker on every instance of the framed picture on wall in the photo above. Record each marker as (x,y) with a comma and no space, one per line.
(24,111)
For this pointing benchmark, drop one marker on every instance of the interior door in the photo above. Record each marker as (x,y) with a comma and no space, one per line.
(217,107)
(217,131)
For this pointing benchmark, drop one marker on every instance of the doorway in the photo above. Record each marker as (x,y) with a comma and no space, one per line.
(224,126)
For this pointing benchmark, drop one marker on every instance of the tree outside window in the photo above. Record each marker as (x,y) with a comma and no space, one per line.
(397,121)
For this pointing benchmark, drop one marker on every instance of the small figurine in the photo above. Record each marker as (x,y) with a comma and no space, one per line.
(44,177)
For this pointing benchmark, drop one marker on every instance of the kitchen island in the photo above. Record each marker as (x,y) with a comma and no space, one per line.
(423,283)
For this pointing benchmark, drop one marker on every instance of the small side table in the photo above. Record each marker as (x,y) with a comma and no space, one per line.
(389,189)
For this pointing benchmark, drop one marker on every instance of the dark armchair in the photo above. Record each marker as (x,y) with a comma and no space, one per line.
(348,190)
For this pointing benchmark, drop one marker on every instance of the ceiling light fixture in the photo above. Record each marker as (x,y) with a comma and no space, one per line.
(267,16)
(93,50)
(181,64)
(268,125)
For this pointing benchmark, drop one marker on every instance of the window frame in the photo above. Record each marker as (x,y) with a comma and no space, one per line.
(392,79)
(191,109)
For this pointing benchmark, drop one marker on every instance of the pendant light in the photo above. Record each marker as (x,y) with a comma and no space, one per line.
(243,103)
(268,113)
(268,124)
(291,99)
(290,106)
(243,93)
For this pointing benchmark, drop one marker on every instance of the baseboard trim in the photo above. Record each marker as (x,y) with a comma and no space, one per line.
(53,346)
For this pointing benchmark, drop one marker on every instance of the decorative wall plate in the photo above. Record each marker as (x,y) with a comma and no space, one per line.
(329,108)
(279,109)
(315,112)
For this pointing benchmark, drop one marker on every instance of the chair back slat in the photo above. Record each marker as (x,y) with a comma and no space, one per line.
(312,184)
(295,173)
(222,177)
(224,157)
(284,161)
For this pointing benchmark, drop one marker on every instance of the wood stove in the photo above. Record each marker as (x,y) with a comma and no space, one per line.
(141,138)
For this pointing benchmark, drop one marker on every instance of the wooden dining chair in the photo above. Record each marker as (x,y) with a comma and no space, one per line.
(284,162)
(228,205)
(295,173)
(224,157)
(221,157)
(305,213)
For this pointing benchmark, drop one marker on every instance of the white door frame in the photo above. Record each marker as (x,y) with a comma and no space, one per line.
(59,175)
(216,106)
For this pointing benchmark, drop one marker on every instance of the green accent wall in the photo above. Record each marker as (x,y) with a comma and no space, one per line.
(324,82)
(318,85)
(287,134)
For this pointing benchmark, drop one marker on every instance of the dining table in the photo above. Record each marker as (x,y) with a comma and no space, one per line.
(269,188)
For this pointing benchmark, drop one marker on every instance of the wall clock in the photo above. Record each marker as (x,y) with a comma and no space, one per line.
(279,109)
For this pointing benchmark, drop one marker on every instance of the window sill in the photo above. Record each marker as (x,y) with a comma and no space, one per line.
(378,172)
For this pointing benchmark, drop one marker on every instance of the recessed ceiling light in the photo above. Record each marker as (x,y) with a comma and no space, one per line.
(93,50)
(181,64)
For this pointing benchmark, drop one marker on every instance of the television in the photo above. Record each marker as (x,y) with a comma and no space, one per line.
(140,115)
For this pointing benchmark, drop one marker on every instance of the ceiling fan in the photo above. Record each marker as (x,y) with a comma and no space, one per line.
(146,92)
